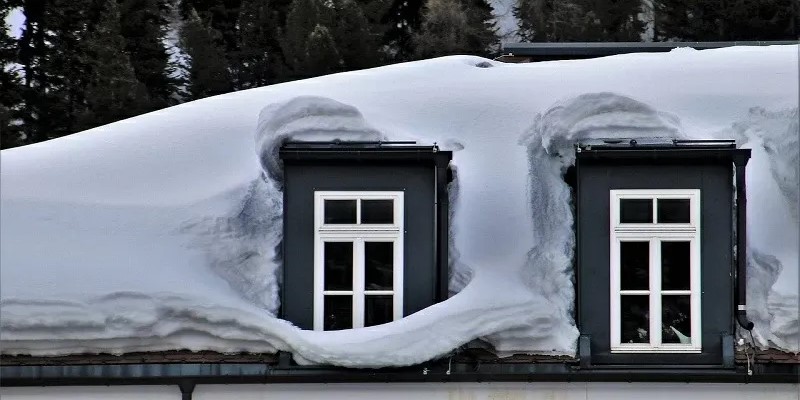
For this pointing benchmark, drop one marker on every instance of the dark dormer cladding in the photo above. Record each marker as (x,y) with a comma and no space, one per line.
(365,232)
(660,220)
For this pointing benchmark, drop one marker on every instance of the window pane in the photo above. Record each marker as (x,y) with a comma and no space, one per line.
(675,266)
(378,261)
(340,211)
(672,211)
(378,310)
(676,319)
(338,312)
(636,211)
(377,211)
(635,321)
(338,258)
(634,265)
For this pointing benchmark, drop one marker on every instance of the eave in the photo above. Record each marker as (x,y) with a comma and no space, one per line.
(188,368)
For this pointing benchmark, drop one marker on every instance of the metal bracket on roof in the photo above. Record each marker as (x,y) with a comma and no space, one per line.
(585,351)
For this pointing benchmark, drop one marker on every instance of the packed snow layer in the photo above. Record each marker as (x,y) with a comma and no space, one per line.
(162,231)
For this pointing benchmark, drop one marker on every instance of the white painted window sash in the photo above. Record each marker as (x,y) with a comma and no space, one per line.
(655,234)
(357,234)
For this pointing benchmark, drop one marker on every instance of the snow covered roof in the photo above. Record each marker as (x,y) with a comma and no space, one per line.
(159,232)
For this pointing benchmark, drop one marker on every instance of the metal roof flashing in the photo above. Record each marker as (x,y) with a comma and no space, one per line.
(376,151)
(710,150)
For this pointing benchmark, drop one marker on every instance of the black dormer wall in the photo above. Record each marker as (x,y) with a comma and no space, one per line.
(418,176)
(714,178)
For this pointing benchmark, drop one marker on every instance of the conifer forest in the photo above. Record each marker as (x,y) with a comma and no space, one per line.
(76,64)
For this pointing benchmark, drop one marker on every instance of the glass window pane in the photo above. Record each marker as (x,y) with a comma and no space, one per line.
(635,321)
(338,313)
(378,310)
(676,319)
(338,259)
(675,266)
(340,211)
(634,265)
(636,211)
(377,211)
(673,211)
(379,264)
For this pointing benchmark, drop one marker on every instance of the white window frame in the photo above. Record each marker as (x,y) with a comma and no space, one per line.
(655,233)
(358,234)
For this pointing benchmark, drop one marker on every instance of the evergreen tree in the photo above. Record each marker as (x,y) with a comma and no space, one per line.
(443,30)
(448,29)
(321,54)
(308,22)
(32,52)
(708,20)
(760,20)
(208,73)
(351,32)
(143,24)
(579,20)
(402,20)
(62,93)
(482,36)
(375,12)
(614,20)
(552,20)
(302,19)
(219,15)
(695,20)
(10,84)
(258,59)
(112,91)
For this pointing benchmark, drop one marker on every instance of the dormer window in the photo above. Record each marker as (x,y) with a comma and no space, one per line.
(365,232)
(655,259)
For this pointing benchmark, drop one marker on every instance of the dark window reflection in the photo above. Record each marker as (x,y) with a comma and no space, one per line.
(378,261)
(378,310)
(675,266)
(340,211)
(636,211)
(673,211)
(635,322)
(338,259)
(676,319)
(377,211)
(338,312)
(634,265)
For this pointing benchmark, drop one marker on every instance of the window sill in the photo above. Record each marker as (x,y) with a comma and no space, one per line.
(656,350)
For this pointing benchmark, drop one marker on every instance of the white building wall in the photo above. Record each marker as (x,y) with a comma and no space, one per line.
(444,391)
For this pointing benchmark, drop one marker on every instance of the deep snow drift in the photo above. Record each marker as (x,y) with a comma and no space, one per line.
(162,231)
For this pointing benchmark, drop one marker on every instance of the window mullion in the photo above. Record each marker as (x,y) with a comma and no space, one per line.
(655,210)
(397,279)
(695,288)
(615,312)
(319,286)
(358,284)
(655,293)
